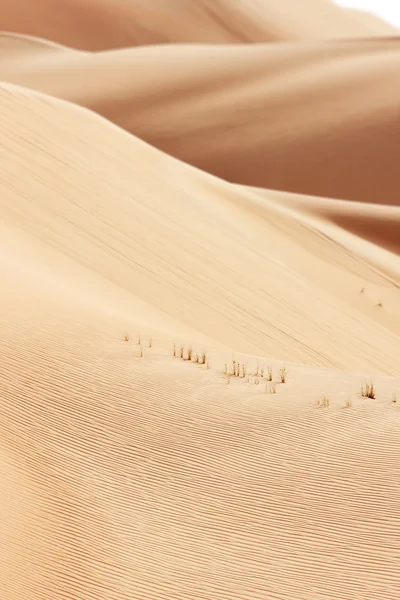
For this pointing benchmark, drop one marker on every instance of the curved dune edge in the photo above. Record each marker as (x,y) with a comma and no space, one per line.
(106,24)
(149,477)
(187,270)
(376,223)
(316,118)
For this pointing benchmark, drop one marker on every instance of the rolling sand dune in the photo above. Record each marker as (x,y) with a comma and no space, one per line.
(200,268)
(105,24)
(149,477)
(313,118)
(202,223)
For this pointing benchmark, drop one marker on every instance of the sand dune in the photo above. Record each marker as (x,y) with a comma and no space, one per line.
(105,24)
(315,118)
(228,189)
(150,477)
(185,268)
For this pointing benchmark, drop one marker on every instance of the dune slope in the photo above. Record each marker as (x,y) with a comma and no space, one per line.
(105,24)
(148,477)
(315,118)
(168,233)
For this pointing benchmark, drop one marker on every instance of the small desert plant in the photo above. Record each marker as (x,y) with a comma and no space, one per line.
(262,371)
(348,403)
(368,390)
(181,352)
(138,339)
(189,353)
(203,357)
(324,402)
(226,369)
(228,378)
(394,397)
(140,352)
(174,347)
(269,373)
(282,374)
(270,388)
(127,337)
(362,290)
(150,342)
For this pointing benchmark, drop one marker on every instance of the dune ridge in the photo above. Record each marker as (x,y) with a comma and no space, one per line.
(188,200)
(314,118)
(107,24)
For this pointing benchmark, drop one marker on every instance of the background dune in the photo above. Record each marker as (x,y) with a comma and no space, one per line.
(319,119)
(105,24)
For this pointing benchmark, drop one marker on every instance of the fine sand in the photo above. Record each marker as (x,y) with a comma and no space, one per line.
(310,118)
(200,268)
(105,24)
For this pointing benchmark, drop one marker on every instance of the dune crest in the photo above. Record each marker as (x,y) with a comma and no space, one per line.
(314,118)
(106,24)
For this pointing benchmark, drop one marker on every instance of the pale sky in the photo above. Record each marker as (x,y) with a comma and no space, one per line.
(387,9)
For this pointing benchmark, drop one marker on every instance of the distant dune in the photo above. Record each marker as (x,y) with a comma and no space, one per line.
(313,118)
(105,24)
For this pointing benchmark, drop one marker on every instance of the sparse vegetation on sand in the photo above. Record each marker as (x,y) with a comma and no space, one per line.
(126,337)
(324,402)
(368,390)
(283,374)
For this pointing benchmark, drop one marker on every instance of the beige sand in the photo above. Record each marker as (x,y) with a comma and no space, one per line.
(127,473)
(312,118)
(149,477)
(101,24)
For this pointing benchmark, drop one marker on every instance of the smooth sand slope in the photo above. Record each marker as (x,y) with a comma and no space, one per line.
(105,24)
(200,250)
(313,118)
(148,477)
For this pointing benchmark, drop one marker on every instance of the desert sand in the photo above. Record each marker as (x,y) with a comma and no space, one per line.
(106,24)
(200,268)
(311,118)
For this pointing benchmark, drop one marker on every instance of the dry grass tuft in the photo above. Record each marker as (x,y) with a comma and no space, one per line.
(380,304)
(181,351)
(348,403)
(368,390)
(270,388)
(126,337)
(269,373)
(140,352)
(138,339)
(324,402)
(189,353)
(283,374)
(394,397)
(150,342)
(202,357)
